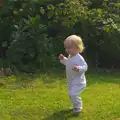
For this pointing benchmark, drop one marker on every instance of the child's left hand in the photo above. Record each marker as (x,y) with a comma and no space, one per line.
(76,68)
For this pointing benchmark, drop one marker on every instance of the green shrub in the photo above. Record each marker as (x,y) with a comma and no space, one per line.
(31,47)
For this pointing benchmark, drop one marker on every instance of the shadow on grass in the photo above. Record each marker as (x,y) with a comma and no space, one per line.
(61,115)
(92,77)
(53,76)
(103,77)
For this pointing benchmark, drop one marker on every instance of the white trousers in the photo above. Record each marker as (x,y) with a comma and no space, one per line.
(74,91)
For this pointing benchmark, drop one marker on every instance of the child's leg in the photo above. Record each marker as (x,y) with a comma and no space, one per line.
(74,91)
(76,101)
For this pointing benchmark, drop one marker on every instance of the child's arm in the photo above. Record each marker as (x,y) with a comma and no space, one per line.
(62,59)
(81,66)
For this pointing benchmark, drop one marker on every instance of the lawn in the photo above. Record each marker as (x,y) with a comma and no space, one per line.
(44,97)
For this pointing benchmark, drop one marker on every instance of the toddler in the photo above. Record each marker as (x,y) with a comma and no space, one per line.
(75,70)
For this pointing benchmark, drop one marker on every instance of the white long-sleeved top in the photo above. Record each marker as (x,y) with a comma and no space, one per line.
(74,77)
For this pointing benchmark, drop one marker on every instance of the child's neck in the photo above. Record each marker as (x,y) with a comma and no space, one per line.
(72,55)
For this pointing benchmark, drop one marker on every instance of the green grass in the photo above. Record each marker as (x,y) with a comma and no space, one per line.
(44,97)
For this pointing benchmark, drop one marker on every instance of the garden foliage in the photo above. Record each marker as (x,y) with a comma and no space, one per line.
(32,32)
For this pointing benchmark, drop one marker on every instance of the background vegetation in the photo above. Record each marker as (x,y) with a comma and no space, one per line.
(31,37)
(32,32)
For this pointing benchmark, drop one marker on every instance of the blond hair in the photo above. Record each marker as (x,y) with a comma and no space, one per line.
(77,40)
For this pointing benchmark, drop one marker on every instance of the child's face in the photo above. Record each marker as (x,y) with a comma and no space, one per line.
(70,48)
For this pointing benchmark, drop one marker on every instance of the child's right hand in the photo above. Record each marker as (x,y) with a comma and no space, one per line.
(61,56)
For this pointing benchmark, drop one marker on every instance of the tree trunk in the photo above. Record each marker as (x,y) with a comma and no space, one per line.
(1,3)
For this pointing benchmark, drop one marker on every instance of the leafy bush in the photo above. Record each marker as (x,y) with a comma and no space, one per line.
(38,28)
(104,34)
(31,47)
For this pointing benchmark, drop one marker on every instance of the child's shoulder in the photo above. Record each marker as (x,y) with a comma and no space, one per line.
(79,56)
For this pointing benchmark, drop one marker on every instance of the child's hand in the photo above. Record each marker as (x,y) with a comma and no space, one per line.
(61,57)
(76,68)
